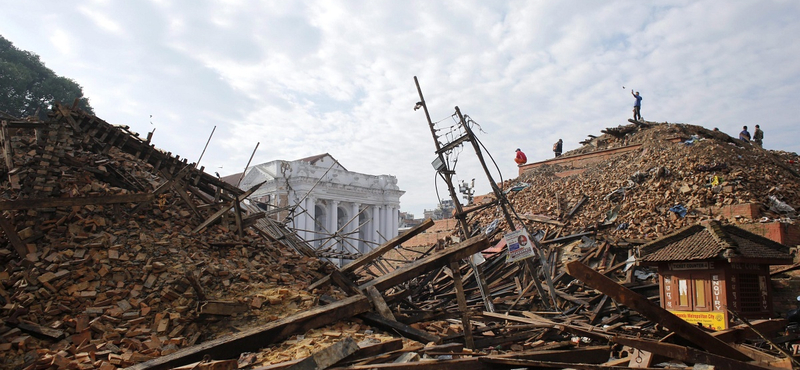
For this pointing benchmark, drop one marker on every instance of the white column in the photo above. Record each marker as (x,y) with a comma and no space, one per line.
(376,224)
(394,218)
(333,223)
(354,224)
(385,223)
(310,207)
(333,209)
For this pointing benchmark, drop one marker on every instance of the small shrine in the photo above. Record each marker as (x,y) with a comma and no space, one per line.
(706,269)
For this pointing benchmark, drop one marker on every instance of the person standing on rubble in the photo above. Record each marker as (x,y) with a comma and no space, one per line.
(557,147)
(758,136)
(637,106)
(521,158)
(744,135)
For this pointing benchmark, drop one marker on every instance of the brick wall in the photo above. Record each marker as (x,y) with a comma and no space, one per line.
(786,234)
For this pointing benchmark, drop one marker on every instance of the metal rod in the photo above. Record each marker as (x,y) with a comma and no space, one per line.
(206,147)
(248,165)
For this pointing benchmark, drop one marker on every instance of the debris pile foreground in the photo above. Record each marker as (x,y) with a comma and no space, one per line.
(119,255)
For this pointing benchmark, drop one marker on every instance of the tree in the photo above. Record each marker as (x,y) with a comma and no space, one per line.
(27,85)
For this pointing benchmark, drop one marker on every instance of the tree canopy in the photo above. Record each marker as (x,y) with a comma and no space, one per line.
(27,85)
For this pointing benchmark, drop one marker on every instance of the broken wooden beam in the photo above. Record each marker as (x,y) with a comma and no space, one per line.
(589,354)
(231,346)
(13,237)
(472,363)
(40,330)
(379,303)
(651,311)
(211,365)
(462,305)
(686,354)
(226,208)
(379,251)
(327,356)
(8,205)
(404,330)
(429,263)
(363,352)
(543,219)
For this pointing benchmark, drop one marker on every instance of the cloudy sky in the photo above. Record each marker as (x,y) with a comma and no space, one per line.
(309,77)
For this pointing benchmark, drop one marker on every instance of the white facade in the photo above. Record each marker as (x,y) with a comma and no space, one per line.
(332,208)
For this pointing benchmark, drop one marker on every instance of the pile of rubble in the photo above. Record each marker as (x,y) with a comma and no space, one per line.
(661,186)
(111,274)
(117,254)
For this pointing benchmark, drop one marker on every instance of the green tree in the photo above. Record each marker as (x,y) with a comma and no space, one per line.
(27,85)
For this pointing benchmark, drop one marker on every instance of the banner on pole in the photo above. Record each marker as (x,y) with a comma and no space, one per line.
(519,245)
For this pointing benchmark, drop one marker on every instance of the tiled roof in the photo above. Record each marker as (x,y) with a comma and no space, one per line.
(314,158)
(232,179)
(713,241)
(439,230)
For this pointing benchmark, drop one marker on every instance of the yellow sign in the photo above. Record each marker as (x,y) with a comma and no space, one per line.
(713,320)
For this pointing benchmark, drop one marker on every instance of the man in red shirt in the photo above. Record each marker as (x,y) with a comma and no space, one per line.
(521,158)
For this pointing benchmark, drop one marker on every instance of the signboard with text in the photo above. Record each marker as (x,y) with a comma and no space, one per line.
(519,245)
(712,320)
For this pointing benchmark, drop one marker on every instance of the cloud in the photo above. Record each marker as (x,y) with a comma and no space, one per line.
(308,77)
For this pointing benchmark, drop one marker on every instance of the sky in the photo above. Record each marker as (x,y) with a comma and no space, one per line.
(301,78)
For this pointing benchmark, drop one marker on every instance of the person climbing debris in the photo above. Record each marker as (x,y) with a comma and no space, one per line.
(521,158)
(744,135)
(758,136)
(637,106)
(557,147)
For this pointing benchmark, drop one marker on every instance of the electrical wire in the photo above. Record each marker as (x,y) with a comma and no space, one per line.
(496,166)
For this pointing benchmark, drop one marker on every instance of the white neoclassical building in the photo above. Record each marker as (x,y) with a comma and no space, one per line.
(337,211)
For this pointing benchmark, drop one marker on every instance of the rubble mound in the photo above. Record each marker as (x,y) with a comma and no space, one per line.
(661,185)
(104,282)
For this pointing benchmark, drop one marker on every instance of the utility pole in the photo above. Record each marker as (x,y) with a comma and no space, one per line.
(504,205)
(442,169)
(460,215)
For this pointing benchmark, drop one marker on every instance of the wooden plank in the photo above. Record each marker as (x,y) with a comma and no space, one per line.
(41,330)
(543,219)
(222,308)
(347,285)
(374,319)
(651,311)
(13,237)
(429,263)
(686,354)
(577,206)
(226,208)
(252,339)
(379,251)
(739,333)
(327,356)
(163,187)
(407,357)
(380,305)
(379,321)
(462,305)
(472,363)
(375,349)
(211,365)
(8,205)
(542,323)
(535,364)
(590,354)
(363,352)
